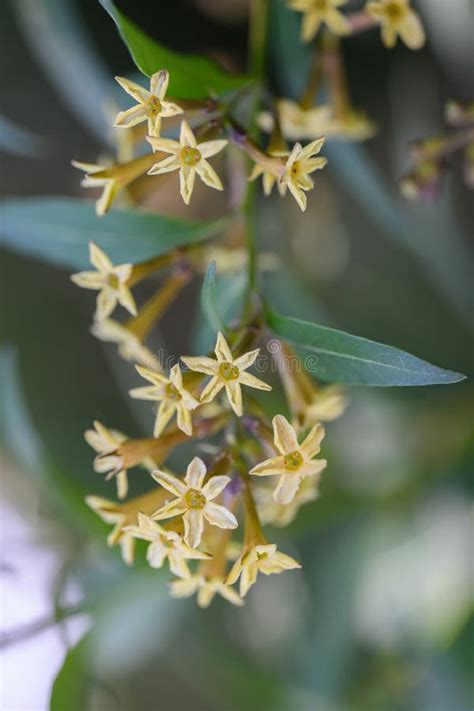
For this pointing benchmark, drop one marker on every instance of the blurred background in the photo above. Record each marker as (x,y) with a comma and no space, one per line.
(379,617)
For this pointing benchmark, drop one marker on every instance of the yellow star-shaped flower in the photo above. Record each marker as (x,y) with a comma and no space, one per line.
(227,372)
(173,398)
(317,13)
(190,158)
(151,106)
(300,164)
(194,501)
(397,18)
(295,461)
(262,558)
(206,588)
(165,544)
(109,280)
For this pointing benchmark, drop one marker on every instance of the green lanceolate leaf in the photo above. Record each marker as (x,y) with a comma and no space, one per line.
(191,76)
(58,230)
(340,357)
(71,687)
(208,299)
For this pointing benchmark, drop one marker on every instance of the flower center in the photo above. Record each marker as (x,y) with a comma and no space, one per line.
(194,499)
(113,281)
(190,155)
(321,5)
(295,169)
(172,392)
(228,371)
(153,106)
(394,10)
(293,461)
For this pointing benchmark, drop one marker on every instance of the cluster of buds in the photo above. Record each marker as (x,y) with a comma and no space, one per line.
(431,156)
(261,473)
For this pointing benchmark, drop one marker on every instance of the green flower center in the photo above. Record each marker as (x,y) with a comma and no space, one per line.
(172,392)
(190,155)
(228,371)
(153,106)
(194,499)
(292,461)
(113,281)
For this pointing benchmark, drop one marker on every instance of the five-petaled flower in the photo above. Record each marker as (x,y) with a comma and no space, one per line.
(151,106)
(261,558)
(206,588)
(397,18)
(295,461)
(227,372)
(301,162)
(165,544)
(318,12)
(109,280)
(189,157)
(194,501)
(171,394)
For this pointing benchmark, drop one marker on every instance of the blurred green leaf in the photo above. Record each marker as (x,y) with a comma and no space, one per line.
(58,230)
(229,290)
(208,299)
(191,76)
(60,42)
(343,358)
(70,691)
(19,141)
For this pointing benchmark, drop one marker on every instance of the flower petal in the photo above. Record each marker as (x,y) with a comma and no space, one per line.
(186,136)
(168,109)
(178,565)
(412,31)
(222,350)
(187,177)
(214,486)
(201,364)
(99,259)
(210,148)
(195,473)
(208,175)
(156,554)
(170,482)
(183,419)
(253,382)
(106,302)
(269,467)
(193,520)
(284,435)
(247,359)
(219,516)
(88,280)
(234,395)
(159,83)
(287,486)
(139,93)
(213,387)
(311,444)
(126,299)
(185,587)
(131,117)
(165,412)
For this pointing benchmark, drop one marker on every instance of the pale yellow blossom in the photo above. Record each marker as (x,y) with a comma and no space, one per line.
(271,512)
(190,158)
(173,398)
(194,501)
(109,280)
(129,346)
(151,105)
(165,544)
(206,588)
(397,18)
(261,558)
(319,12)
(269,178)
(300,164)
(227,372)
(105,442)
(295,461)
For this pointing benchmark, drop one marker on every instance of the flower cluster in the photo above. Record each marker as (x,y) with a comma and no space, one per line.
(189,155)
(189,521)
